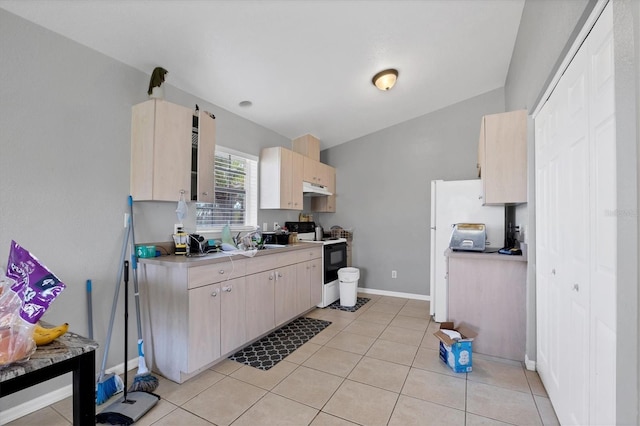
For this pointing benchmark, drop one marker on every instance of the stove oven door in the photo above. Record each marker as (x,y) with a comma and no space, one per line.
(335,257)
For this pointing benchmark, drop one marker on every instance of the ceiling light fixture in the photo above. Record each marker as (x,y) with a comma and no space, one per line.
(385,80)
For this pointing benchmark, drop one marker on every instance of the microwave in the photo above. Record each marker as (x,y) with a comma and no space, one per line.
(468,237)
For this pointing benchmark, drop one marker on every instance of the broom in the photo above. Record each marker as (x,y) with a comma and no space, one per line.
(143,381)
(110,384)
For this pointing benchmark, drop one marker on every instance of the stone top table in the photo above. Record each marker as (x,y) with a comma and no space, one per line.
(68,353)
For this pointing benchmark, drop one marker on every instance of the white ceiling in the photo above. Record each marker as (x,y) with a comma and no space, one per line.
(306,65)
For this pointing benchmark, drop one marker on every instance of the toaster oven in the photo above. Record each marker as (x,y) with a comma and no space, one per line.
(468,237)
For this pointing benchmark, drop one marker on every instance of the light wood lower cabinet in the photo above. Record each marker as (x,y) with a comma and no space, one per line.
(487,293)
(259,306)
(194,315)
(309,276)
(233,325)
(286,288)
(204,336)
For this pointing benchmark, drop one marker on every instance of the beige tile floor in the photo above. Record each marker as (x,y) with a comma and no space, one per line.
(376,366)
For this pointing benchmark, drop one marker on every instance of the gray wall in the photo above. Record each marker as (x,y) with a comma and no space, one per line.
(547,31)
(65,114)
(383,189)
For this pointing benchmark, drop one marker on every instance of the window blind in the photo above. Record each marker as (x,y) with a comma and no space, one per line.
(236,187)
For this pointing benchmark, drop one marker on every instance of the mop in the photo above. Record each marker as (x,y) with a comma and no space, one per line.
(143,381)
(133,405)
(111,384)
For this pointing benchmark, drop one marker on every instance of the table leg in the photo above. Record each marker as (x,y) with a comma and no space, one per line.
(84,390)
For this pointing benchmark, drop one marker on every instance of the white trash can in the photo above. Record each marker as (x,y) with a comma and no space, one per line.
(348,278)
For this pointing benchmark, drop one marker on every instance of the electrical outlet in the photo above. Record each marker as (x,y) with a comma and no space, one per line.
(264,226)
(394,274)
(126,220)
(275,226)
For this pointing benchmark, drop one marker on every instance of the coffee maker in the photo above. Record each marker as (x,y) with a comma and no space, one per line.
(196,245)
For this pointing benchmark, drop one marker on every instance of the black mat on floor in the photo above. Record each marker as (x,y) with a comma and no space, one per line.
(271,349)
(360,301)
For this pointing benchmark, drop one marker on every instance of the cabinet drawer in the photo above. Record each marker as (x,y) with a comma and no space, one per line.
(262,263)
(209,274)
(308,254)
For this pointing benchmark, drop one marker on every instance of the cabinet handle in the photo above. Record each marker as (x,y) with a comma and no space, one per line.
(221,271)
(279,274)
(553,271)
(313,266)
(271,276)
(205,193)
(227,288)
(214,293)
(576,287)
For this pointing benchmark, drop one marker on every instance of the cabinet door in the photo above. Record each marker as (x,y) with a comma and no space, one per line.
(303,288)
(324,204)
(473,286)
(276,179)
(480,164)
(160,151)
(327,203)
(285,294)
(204,326)
(326,176)
(297,167)
(205,180)
(310,172)
(232,318)
(315,281)
(260,295)
(504,169)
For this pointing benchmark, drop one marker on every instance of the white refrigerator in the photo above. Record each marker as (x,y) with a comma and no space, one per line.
(452,202)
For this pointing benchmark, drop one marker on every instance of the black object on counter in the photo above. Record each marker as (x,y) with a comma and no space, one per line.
(511,251)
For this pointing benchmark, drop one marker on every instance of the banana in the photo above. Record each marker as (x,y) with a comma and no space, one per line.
(43,336)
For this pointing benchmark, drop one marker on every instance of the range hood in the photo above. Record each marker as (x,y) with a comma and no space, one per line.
(314,190)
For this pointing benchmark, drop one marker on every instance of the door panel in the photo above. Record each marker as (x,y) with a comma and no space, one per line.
(576,221)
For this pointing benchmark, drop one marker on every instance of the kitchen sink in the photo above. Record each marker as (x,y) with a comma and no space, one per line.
(273,246)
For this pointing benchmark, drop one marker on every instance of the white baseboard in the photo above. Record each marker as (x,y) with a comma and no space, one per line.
(57,395)
(394,294)
(530,364)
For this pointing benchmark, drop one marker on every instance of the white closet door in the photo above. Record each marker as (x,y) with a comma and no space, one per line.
(576,235)
(603,222)
(549,323)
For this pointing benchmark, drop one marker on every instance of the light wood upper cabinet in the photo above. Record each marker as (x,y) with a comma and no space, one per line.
(319,173)
(203,179)
(326,204)
(502,157)
(161,153)
(308,146)
(280,179)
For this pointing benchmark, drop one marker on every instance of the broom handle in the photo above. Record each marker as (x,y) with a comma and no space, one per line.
(115,301)
(134,267)
(126,324)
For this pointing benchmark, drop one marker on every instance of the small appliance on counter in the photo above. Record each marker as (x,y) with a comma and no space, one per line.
(275,237)
(180,239)
(468,237)
(197,245)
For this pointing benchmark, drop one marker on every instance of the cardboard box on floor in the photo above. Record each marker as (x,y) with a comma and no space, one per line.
(457,354)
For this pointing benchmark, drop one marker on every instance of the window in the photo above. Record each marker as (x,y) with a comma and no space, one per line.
(236,193)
